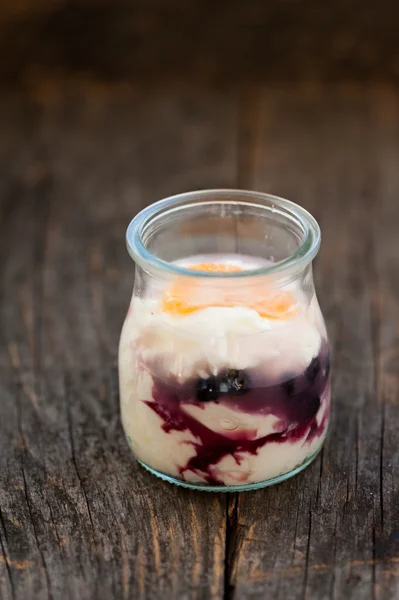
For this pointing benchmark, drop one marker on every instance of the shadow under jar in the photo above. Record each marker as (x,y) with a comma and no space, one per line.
(224,360)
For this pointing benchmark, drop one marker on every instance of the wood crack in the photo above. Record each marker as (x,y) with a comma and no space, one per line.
(5,554)
(25,487)
(230,544)
(332,594)
(73,455)
(373,567)
(305,580)
(3,526)
(49,593)
(53,522)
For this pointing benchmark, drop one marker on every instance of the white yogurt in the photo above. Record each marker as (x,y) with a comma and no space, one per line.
(202,343)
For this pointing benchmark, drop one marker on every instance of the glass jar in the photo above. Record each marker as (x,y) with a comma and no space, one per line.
(224,360)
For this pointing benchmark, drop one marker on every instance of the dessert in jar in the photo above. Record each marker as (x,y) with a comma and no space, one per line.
(224,359)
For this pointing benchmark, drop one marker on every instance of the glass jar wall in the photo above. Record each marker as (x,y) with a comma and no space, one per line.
(224,359)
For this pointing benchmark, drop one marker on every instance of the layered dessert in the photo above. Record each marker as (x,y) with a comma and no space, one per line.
(224,384)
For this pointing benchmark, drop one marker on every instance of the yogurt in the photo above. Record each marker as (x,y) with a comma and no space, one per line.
(219,393)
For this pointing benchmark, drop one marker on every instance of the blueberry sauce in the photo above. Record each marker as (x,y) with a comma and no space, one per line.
(294,400)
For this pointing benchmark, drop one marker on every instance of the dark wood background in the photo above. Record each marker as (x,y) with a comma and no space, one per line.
(83,147)
(217,40)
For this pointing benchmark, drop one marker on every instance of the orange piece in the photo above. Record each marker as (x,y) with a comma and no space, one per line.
(185,296)
(215,268)
(280,305)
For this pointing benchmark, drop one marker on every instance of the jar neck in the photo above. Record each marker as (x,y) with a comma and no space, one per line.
(279,237)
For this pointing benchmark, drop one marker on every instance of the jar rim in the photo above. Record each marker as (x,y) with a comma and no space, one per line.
(298,260)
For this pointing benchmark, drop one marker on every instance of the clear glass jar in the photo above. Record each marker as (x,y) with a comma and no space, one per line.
(224,359)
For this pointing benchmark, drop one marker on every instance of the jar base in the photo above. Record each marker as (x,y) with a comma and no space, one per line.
(231,488)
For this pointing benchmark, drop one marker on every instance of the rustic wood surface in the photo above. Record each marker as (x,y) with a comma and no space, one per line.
(78,518)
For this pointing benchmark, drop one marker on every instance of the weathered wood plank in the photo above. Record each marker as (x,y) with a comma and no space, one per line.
(79,518)
(325,534)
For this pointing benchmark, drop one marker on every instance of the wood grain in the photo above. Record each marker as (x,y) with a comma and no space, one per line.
(78,518)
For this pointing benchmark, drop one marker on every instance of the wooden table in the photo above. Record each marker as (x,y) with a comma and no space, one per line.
(79,519)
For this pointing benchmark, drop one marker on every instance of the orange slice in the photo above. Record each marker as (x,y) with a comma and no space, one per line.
(185,296)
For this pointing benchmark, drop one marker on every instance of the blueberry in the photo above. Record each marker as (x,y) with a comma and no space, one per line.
(234,382)
(288,386)
(313,369)
(207,389)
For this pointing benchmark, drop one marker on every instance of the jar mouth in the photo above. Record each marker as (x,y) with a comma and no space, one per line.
(274,205)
